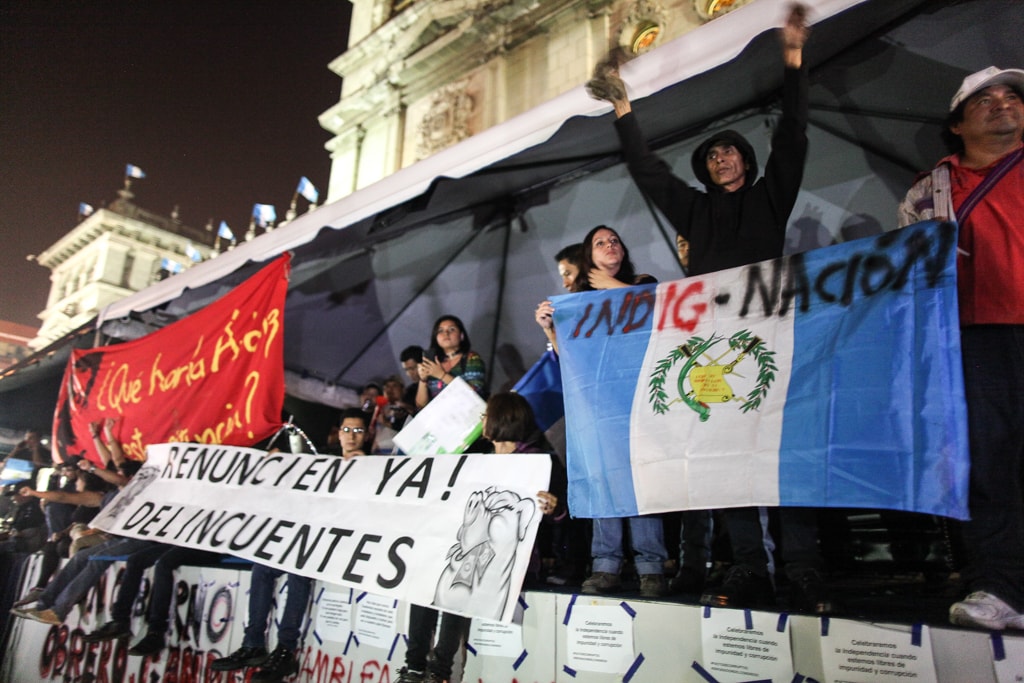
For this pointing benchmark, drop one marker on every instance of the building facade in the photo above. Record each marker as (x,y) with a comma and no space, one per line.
(14,340)
(421,75)
(116,251)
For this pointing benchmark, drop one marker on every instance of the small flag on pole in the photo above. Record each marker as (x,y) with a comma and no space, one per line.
(133,171)
(265,214)
(224,232)
(171,266)
(193,253)
(308,190)
(85,209)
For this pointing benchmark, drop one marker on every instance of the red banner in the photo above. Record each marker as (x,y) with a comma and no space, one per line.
(216,376)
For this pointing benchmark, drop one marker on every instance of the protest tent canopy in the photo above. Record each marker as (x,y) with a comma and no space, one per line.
(471,231)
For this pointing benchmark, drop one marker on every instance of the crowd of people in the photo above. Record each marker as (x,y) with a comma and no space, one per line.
(737,218)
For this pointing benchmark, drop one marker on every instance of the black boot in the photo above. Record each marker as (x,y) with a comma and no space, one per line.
(152,643)
(741,588)
(279,665)
(112,630)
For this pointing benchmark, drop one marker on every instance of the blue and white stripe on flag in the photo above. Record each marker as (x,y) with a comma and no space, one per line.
(133,171)
(830,378)
(171,266)
(224,232)
(16,471)
(265,214)
(85,210)
(193,253)
(308,190)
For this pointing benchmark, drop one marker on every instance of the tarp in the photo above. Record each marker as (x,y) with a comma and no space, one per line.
(472,230)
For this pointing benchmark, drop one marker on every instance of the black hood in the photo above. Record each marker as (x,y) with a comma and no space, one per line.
(729,137)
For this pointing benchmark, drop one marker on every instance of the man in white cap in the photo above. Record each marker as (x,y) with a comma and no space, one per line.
(981,187)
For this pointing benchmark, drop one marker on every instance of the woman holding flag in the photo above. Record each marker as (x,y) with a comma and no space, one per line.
(606,265)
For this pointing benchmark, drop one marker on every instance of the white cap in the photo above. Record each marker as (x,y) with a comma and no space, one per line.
(983,79)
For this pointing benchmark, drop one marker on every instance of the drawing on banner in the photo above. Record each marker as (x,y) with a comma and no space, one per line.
(478,576)
(711,381)
(138,483)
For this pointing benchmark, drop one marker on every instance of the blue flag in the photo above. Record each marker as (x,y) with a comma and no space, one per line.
(85,209)
(224,232)
(541,386)
(307,190)
(193,253)
(265,214)
(16,471)
(171,266)
(132,171)
(830,378)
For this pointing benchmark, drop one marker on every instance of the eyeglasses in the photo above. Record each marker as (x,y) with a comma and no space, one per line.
(353,430)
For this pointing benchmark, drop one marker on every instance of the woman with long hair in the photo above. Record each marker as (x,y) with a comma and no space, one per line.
(449,356)
(509,424)
(606,265)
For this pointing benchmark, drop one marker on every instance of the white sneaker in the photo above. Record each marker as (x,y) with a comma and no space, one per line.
(987,611)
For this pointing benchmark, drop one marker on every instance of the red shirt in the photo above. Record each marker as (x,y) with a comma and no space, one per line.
(990,265)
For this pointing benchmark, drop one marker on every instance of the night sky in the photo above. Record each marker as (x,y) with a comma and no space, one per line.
(217,101)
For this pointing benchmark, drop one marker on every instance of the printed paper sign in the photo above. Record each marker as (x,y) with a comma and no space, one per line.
(376,620)
(334,616)
(600,638)
(493,638)
(741,645)
(854,652)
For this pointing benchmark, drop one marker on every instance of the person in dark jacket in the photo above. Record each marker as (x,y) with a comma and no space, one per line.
(736,220)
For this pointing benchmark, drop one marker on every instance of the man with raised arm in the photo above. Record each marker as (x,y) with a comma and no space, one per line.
(736,220)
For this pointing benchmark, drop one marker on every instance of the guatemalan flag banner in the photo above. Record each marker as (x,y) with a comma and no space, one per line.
(830,378)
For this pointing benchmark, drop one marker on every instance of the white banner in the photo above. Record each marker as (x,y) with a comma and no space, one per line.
(451,531)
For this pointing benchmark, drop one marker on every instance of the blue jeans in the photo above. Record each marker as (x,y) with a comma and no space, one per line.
(78,576)
(261,599)
(648,544)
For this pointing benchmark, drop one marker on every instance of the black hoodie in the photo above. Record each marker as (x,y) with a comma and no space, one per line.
(729,229)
